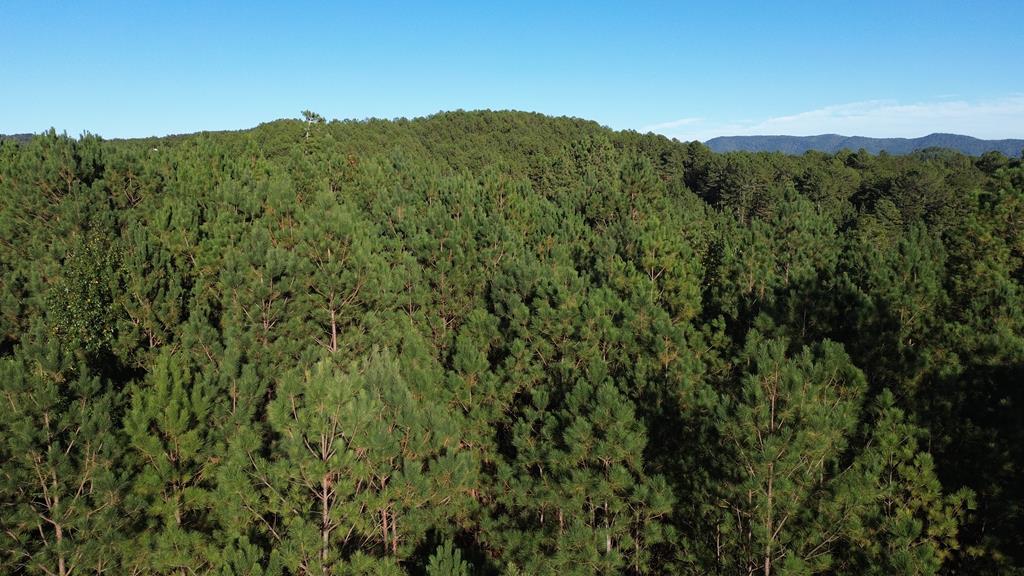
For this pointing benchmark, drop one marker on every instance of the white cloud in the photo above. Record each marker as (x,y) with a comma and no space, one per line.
(998,118)
(672,124)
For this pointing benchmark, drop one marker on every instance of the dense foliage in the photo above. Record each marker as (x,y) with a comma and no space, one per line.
(501,343)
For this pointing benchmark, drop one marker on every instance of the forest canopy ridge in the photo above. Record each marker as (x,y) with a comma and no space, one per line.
(830,143)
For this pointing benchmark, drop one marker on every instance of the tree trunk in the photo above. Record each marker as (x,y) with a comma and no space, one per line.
(607,531)
(769,524)
(334,330)
(325,528)
(394,534)
(61,568)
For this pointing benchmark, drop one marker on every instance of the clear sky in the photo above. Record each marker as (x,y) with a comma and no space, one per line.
(690,70)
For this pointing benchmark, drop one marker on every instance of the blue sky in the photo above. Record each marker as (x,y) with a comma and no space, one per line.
(690,70)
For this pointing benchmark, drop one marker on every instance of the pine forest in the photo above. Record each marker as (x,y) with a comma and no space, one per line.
(502,343)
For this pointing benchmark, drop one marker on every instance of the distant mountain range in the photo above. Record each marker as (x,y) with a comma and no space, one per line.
(835,142)
(16,137)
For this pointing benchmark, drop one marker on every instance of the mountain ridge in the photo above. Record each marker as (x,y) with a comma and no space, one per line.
(20,138)
(832,143)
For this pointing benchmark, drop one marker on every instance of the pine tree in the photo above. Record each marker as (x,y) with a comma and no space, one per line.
(153,296)
(576,497)
(60,492)
(169,429)
(346,280)
(783,431)
(895,518)
(360,465)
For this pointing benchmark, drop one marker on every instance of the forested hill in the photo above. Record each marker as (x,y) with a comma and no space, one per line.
(832,143)
(503,343)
